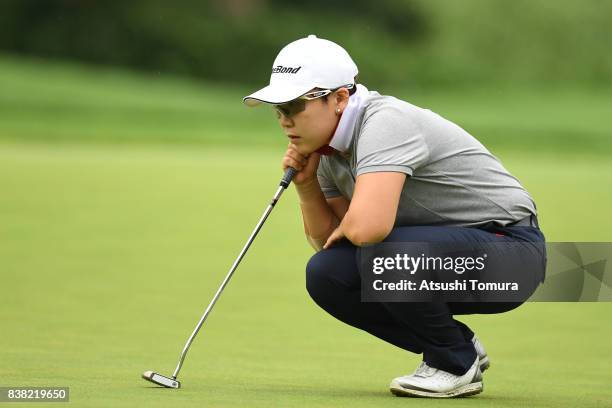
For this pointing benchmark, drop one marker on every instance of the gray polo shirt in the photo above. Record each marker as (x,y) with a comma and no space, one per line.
(453,180)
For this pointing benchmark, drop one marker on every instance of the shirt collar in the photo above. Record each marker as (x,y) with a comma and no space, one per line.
(343,136)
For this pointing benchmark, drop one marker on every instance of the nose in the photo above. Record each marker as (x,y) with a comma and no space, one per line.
(285,121)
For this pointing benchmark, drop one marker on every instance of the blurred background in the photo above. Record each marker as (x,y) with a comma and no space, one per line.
(131,174)
(518,74)
(397,43)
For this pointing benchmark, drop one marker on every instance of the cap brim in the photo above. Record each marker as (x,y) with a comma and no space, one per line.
(275,94)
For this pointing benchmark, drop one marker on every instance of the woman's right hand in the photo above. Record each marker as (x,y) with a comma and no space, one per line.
(305,165)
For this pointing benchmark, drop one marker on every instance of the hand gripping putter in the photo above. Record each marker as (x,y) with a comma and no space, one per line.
(172,382)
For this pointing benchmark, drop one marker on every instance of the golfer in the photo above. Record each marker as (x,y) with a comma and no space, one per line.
(373,168)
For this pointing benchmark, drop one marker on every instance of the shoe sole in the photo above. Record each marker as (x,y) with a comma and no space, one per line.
(464,391)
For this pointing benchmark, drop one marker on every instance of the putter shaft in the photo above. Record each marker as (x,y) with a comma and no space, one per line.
(289,173)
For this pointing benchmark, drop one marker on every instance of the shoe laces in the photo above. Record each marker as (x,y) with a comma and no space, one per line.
(419,369)
(423,370)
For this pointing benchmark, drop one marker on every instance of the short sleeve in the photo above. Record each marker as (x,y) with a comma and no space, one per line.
(328,187)
(390,141)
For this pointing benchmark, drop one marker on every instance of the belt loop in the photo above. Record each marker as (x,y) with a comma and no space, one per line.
(534,217)
(534,221)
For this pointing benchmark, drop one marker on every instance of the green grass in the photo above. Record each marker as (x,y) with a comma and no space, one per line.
(110,251)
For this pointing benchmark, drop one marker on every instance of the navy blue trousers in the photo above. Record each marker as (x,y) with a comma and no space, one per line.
(333,281)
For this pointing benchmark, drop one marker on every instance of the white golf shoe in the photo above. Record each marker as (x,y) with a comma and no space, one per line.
(431,382)
(482,354)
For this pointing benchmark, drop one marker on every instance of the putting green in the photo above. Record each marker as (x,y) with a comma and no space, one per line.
(109,254)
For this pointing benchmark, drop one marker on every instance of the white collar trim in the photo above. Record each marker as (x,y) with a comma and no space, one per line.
(343,136)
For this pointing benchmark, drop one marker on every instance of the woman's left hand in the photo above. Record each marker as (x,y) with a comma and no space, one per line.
(335,236)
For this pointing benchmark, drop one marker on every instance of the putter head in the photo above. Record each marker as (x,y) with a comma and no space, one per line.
(161,380)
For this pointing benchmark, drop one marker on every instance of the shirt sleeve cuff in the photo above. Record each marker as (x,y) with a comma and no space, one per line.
(330,192)
(385,167)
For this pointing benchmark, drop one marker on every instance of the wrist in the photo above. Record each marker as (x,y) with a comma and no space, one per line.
(307,188)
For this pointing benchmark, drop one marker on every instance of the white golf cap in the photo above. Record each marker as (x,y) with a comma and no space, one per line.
(304,64)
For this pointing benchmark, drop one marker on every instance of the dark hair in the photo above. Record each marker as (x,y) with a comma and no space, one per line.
(354,88)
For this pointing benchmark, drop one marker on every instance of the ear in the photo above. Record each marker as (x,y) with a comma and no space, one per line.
(341,98)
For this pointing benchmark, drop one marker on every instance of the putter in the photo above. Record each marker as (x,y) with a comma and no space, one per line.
(172,382)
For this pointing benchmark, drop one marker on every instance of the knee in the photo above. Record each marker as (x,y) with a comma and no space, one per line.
(332,275)
(317,273)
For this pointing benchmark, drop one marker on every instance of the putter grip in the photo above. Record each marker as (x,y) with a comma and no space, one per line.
(289,173)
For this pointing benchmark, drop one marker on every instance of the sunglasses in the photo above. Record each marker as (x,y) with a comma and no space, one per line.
(299,104)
